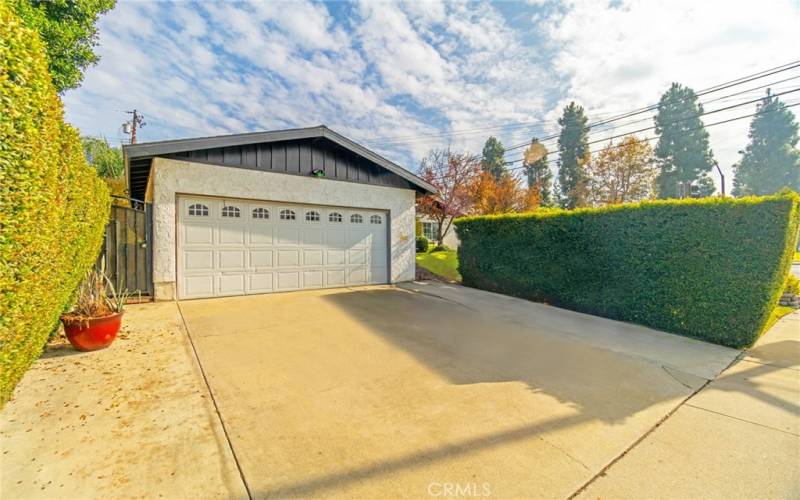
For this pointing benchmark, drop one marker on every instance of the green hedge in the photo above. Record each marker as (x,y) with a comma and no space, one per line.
(53,207)
(712,269)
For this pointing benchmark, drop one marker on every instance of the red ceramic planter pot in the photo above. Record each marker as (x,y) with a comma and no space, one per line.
(92,334)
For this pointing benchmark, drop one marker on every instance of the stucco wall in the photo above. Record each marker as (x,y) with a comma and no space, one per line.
(173,177)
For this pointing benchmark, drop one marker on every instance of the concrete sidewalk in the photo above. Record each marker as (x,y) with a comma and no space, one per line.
(739,437)
(131,421)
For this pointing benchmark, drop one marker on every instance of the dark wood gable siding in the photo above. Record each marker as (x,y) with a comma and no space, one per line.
(299,157)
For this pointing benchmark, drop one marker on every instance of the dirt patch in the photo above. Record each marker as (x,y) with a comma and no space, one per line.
(423,274)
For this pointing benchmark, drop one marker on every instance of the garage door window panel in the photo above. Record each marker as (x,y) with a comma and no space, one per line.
(229,211)
(260,214)
(288,215)
(198,210)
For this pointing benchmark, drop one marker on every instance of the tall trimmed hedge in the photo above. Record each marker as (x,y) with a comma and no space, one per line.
(53,207)
(711,269)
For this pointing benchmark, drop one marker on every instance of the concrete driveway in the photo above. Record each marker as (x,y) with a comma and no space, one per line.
(434,390)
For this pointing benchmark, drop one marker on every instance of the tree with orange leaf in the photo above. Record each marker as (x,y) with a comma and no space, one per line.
(496,196)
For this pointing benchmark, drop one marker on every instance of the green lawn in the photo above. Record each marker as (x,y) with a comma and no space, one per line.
(797,257)
(444,264)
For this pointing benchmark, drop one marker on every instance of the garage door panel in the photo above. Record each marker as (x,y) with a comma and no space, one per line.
(198,260)
(356,257)
(335,277)
(335,238)
(196,234)
(231,235)
(312,257)
(336,258)
(312,279)
(288,280)
(288,236)
(357,276)
(233,248)
(313,237)
(231,259)
(288,258)
(231,284)
(198,286)
(260,258)
(260,234)
(358,239)
(259,282)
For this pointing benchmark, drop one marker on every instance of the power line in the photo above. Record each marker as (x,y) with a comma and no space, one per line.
(721,122)
(704,113)
(654,107)
(726,108)
(405,139)
(389,141)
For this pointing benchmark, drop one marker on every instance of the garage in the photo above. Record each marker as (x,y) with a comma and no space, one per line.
(237,247)
(274,211)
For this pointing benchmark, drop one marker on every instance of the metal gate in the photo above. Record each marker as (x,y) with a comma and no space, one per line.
(126,253)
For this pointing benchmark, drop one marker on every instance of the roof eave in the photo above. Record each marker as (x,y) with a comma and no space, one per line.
(151,149)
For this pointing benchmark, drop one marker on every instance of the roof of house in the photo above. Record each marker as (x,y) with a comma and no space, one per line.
(137,156)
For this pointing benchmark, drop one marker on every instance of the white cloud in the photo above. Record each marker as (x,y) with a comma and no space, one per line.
(625,55)
(418,70)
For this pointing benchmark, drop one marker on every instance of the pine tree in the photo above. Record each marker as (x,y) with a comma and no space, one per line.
(771,160)
(537,170)
(493,160)
(683,152)
(573,148)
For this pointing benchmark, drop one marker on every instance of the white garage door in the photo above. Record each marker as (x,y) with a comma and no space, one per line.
(234,247)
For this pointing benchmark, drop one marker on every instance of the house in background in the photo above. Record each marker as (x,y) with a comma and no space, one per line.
(273,211)
(430,229)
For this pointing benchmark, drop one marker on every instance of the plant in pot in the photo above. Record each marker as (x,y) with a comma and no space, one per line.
(95,319)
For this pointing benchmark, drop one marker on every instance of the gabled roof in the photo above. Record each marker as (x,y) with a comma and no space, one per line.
(133,152)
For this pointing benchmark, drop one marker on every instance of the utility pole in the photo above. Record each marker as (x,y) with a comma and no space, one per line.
(136,122)
(721,176)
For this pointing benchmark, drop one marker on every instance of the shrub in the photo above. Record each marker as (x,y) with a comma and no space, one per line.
(792,285)
(712,268)
(422,244)
(440,248)
(53,208)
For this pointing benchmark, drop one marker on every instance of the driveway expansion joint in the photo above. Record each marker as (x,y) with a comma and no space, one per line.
(743,420)
(652,429)
(214,401)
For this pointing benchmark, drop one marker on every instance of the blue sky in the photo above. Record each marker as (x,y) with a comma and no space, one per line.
(405,77)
